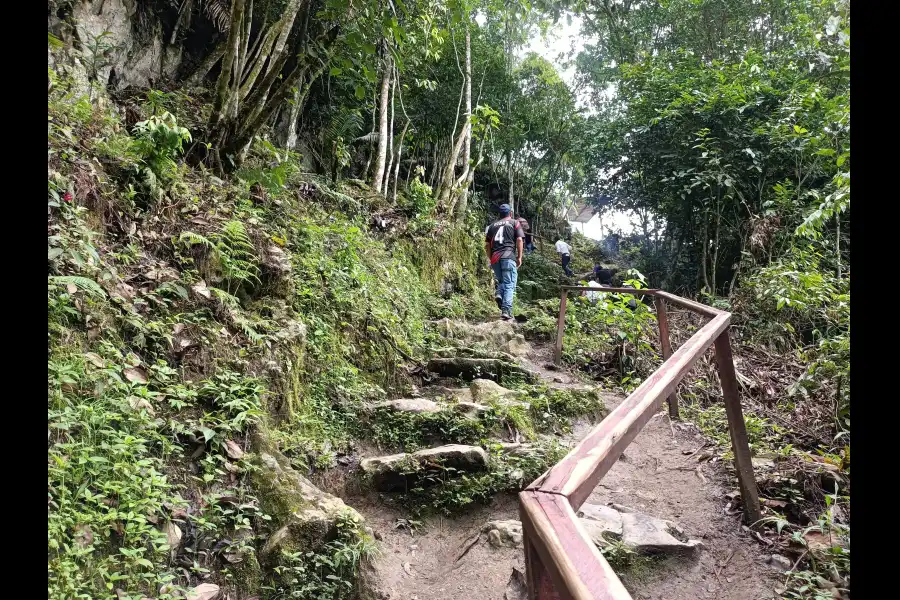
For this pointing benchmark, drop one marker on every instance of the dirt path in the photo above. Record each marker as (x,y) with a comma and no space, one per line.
(654,476)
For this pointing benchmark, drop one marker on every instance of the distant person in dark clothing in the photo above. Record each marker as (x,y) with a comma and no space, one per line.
(529,242)
(632,304)
(503,243)
(603,275)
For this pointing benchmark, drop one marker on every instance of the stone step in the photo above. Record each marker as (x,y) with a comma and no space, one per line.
(398,471)
(479,368)
(500,335)
(410,405)
(607,524)
(473,401)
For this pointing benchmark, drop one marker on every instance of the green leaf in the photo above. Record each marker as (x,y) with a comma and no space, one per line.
(360,92)
(208,434)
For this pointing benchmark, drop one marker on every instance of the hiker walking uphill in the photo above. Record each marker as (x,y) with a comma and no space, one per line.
(504,241)
(526,228)
(565,254)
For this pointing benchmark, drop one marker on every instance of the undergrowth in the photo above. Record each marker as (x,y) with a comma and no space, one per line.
(182,310)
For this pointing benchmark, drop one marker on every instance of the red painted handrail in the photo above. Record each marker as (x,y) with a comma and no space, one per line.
(561,559)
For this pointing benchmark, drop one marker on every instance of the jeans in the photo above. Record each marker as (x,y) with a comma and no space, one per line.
(565,264)
(505,277)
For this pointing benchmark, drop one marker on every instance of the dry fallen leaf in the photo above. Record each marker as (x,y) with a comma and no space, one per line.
(408,568)
(233,450)
(136,375)
(84,537)
(817,542)
(141,403)
(95,359)
(201,290)
(204,591)
(173,534)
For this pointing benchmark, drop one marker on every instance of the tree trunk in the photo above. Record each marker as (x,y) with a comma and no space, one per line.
(703,260)
(381,156)
(371,153)
(462,184)
(390,144)
(397,161)
(232,48)
(837,243)
(509,175)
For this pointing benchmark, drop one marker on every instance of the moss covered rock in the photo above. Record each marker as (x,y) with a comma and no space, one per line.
(304,517)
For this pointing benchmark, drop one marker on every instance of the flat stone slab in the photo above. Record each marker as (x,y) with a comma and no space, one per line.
(397,471)
(606,525)
(638,531)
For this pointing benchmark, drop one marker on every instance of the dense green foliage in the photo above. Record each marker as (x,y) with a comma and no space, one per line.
(265,239)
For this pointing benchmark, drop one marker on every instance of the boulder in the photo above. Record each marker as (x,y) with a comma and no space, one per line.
(485,391)
(397,471)
(303,516)
(504,534)
(517,346)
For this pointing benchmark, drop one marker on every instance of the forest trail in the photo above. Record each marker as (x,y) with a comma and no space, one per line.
(444,558)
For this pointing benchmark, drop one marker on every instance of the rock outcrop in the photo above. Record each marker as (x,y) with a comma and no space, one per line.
(303,516)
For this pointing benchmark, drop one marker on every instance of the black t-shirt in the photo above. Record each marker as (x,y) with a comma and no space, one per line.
(604,276)
(502,236)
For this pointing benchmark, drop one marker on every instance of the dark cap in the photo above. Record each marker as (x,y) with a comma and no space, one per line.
(504,209)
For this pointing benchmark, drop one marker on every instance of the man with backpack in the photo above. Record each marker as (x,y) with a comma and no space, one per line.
(504,242)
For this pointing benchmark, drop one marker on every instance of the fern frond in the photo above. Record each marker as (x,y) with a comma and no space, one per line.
(190,238)
(345,124)
(228,300)
(219,12)
(83,283)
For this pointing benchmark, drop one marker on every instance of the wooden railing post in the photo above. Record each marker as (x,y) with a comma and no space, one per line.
(540,587)
(560,327)
(666,345)
(737,428)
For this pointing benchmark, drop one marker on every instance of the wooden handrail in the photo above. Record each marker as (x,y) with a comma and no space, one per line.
(561,560)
